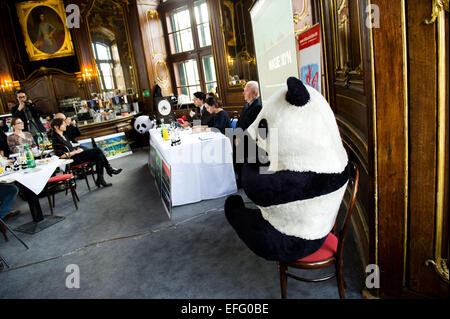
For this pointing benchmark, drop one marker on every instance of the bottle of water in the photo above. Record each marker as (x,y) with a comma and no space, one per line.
(45,140)
(40,142)
(162,127)
(30,158)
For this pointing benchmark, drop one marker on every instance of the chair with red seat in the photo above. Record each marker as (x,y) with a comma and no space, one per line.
(330,253)
(59,183)
(83,169)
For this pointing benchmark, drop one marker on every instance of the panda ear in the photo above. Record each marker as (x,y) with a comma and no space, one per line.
(297,93)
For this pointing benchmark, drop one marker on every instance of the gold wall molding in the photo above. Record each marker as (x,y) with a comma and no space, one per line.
(374,133)
(300,16)
(325,55)
(340,20)
(438,15)
(157,56)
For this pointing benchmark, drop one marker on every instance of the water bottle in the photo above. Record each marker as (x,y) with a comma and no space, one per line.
(40,142)
(30,158)
(46,141)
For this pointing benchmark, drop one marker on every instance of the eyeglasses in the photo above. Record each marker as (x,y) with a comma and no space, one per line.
(17,122)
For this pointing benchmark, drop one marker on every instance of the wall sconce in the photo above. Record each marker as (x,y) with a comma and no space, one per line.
(7,86)
(87,75)
(230,60)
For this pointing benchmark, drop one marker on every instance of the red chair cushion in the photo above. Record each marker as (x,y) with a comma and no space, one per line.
(59,178)
(327,250)
(79,165)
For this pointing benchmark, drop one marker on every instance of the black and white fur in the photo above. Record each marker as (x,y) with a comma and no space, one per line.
(143,124)
(299,201)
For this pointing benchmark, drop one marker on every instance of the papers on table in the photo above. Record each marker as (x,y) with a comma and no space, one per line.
(206,136)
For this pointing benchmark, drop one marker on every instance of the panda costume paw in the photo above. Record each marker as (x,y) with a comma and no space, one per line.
(300,194)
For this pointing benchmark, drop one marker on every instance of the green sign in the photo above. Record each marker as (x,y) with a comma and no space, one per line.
(146,93)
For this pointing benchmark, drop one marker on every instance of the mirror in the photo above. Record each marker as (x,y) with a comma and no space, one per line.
(111,49)
(238,41)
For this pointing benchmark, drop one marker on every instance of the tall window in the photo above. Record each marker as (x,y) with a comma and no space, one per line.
(188,38)
(109,67)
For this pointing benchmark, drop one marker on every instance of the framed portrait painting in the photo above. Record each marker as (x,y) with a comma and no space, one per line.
(44,29)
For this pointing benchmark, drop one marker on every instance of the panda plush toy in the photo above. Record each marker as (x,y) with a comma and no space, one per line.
(300,193)
(143,124)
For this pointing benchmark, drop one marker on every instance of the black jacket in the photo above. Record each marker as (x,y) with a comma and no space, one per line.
(72,132)
(249,114)
(36,112)
(206,118)
(221,121)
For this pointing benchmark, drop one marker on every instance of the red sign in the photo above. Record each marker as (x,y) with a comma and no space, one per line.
(309,37)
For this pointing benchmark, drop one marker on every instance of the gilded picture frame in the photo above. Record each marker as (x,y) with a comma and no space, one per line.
(44,29)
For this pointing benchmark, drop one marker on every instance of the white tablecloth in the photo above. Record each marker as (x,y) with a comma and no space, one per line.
(35,178)
(201,166)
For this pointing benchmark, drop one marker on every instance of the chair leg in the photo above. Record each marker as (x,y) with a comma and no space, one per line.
(74,187)
(85,177)
(50,202)
(340,280)
(283,279)
(74,196)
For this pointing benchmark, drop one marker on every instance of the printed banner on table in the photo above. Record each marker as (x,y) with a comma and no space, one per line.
(310,57)
(165,188)
(114,145)
(161,171)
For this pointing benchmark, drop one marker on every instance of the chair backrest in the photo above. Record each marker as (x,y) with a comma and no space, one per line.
(354,181)
(58,150)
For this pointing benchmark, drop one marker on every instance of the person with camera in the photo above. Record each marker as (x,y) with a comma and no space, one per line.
(29,113)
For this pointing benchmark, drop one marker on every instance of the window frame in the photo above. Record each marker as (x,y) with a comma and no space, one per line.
(111,61)
(198,52)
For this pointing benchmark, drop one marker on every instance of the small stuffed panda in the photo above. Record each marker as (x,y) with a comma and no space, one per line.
(143,124)
(300,194)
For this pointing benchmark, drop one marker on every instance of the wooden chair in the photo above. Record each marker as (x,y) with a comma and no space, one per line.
(83,170)
(62,182)
(59,183)
(78,170)
(330,253)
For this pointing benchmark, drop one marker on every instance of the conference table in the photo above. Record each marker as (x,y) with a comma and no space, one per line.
(200,167)
(33,180)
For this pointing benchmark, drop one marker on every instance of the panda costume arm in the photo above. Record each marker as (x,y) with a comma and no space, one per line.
(286,186)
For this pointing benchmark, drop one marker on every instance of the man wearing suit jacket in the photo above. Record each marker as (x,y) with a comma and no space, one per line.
(248,116)
(29,113)
(204,116)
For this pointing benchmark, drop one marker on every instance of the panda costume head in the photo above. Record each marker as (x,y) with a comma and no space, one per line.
(299,199)
(143,124)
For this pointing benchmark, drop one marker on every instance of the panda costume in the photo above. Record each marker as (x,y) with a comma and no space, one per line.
(300,195)
(143,124)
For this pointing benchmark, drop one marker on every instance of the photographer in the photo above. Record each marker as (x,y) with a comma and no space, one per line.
(29,113)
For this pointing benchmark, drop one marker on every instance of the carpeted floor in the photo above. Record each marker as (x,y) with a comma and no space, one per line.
(126,247)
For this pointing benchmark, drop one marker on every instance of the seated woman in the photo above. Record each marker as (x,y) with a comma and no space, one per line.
(220,120)
(94,155)
(19,138)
